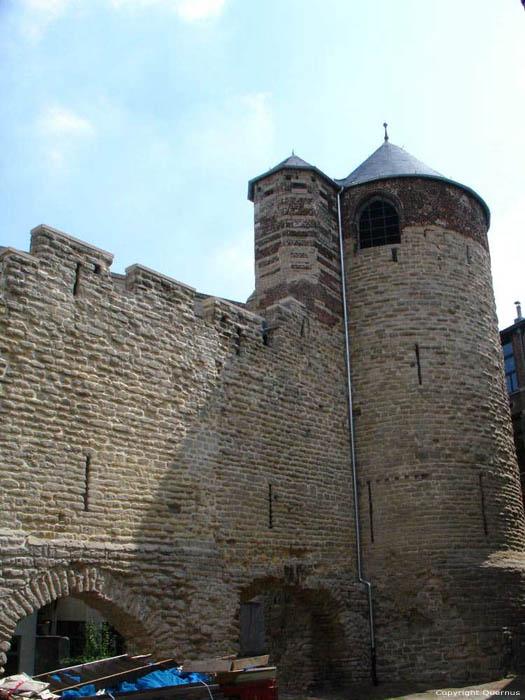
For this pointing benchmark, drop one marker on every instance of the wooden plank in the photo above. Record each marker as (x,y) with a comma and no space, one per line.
(207,666)
(106,672)
(92,670)
(79,666)
(69,669)
(104,669)
(248,676)
(249,661)
(125,675)
(189,691)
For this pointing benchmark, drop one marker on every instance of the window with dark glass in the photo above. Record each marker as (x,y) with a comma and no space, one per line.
(510,367)
(378,224)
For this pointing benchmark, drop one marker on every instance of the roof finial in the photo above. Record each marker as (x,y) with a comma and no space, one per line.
(386,132)
(293,152)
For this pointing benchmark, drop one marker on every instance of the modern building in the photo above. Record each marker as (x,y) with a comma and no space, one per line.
(513,343)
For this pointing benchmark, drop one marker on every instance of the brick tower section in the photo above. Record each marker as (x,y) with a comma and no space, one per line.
(296,242)
(439,487)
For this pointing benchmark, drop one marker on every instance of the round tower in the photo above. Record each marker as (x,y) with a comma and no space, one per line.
(439,490)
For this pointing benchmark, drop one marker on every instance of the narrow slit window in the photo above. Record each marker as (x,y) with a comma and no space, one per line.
(482,503)
(378,224)
(265,333)
(237,341)
(77,279)
(418,363)
(370,510)
(87,478)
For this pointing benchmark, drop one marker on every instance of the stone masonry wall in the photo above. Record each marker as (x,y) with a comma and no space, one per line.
(169,456)
(438,483)
(146,433)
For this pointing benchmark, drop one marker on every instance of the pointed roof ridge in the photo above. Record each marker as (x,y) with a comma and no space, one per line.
(388,160)
(292,162)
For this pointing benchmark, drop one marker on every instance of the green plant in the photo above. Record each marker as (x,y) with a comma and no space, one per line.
(99,643)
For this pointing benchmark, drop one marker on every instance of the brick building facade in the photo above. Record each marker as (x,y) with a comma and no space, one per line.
(173,459)
(513,344)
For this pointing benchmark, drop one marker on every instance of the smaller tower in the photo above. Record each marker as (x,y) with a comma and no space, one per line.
(296,244)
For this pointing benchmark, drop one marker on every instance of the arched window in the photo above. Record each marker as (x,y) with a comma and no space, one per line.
(378,224)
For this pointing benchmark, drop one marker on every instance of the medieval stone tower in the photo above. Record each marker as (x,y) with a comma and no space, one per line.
(325,476)
(437,486)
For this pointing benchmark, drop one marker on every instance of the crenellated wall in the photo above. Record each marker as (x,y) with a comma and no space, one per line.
(175,445)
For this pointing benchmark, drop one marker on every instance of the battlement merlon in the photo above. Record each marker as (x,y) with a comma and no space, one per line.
(140,278)
(52,246)
(7,252)
(47,241)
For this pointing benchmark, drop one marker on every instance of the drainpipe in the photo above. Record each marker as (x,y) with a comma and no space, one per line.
(362,580)
(520,332)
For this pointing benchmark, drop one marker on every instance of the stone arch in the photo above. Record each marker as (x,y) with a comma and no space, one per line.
(306,634)
(385,193)
(127,611)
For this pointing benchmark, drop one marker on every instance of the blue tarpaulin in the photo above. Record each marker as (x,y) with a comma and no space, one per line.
(155,679)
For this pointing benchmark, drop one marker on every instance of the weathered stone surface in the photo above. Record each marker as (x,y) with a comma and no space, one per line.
(140,456)
(169,456)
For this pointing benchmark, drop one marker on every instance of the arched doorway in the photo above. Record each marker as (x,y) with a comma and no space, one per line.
(112,598)
(299,628)
(62,633)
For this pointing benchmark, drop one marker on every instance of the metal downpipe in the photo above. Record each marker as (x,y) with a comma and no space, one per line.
(362,580)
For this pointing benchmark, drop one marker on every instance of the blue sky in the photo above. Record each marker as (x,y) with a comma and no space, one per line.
(136,124)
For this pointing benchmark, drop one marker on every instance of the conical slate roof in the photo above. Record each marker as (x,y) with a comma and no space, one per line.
(388,161)
(392,161)
(292,161)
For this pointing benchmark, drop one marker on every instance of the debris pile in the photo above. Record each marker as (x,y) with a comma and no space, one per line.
(23,686)
(145,679)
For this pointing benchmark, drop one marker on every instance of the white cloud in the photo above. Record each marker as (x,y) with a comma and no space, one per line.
(61,132)
(38,14)
(189,10)
(198,9)
(60,120)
